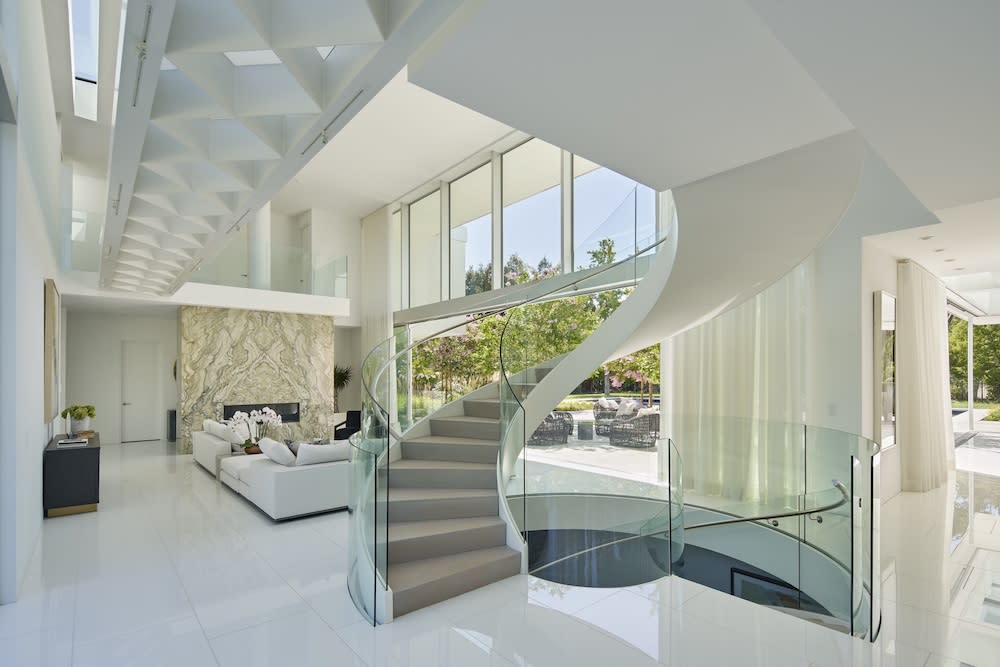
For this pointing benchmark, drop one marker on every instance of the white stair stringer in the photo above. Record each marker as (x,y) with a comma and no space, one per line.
(736,234)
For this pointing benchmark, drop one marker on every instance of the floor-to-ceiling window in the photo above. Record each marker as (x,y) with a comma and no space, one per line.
(396,259)
(612,214)
(425,250)
(472,232)
(532,211)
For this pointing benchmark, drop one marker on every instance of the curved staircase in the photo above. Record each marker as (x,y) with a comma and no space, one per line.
(444,477)
(446,536)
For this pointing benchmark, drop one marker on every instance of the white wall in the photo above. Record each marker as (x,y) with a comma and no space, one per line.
(333,236)
(94,364)
(286,254)
(347,352)
(30,197)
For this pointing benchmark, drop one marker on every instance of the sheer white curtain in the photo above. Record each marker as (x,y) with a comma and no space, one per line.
(923,397)
(735,387)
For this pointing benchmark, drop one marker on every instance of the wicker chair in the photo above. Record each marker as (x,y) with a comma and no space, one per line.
(640,431)
(554,430)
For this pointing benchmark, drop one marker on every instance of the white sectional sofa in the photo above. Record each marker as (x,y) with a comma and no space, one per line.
(279,491)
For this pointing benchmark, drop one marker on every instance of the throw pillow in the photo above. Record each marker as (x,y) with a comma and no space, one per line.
(607,403)
(293,445)
(277,452)
(647,411)
(626,409)
(310,454)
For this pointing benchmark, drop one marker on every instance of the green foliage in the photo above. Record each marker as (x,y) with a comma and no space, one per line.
(479,279)
(342,376)
(986,359)
(79,412)
(642,367)
(993,415)
(570,405)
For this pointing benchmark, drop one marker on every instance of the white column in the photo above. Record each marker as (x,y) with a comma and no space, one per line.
(497,219)
(969,358)
(259,248)
(566,207)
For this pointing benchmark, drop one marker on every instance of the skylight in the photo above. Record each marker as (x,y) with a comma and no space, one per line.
(244,58)
(84,17)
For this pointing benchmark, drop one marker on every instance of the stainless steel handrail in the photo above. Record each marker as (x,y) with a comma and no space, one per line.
(845,498)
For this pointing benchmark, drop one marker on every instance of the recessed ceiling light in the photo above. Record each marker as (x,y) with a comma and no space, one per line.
(960,268)
(922,238)
(246,58)
(950,260)
(939,250)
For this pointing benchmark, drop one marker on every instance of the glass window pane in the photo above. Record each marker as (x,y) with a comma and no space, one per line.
(612,214)
(472,233)
(425,250)
(531,211)
(396,260)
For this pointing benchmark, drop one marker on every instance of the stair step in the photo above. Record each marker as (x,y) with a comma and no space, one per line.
(417,584)
(482,407)
(431,504)
(423,473)
(448,448)
(417,540)
(466,427)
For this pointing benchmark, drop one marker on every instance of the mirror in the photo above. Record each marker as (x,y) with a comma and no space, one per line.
(885,368)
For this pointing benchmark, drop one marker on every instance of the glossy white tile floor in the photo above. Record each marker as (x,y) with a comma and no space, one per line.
(176,570)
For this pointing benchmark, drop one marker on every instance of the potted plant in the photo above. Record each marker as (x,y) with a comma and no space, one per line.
(341,378)
(256,425)
(79,417)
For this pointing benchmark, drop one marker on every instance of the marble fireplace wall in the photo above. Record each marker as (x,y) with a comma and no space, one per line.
(230,356)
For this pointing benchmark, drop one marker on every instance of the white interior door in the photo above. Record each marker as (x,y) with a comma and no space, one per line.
(140,391)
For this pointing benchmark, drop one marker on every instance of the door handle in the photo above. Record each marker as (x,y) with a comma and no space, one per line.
(126,404)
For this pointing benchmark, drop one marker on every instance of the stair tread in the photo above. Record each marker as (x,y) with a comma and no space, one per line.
(483,400)
(453,440)
(404,576)
(467,419)
(408,530)
(405,494)
(431,464)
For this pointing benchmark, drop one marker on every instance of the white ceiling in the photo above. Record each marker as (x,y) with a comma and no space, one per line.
(403,138)
(919,80)
(666,93)
(201,144)
(138,305)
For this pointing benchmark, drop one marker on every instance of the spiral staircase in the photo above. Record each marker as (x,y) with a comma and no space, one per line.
(433,512)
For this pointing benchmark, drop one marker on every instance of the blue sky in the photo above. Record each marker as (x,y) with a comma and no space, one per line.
(531,226)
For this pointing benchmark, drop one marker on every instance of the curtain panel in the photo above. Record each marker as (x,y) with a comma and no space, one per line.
(924,423)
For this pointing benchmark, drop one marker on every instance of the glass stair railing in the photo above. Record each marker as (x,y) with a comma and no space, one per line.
(432,414)
(755,508)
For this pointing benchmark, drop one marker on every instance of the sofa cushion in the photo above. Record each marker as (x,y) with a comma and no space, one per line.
(237,466)
(277,451)
(310,454)
(607,404)
(627,408)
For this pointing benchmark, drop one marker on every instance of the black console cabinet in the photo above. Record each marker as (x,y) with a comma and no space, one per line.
(71,477)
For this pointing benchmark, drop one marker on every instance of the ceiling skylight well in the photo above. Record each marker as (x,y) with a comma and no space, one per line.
(84,17)
(245,58)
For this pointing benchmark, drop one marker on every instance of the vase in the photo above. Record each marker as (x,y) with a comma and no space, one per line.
(253,449)
(77,425)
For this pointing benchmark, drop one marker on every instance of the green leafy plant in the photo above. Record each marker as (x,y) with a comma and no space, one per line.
(993,415)
(342,376)
(79,412)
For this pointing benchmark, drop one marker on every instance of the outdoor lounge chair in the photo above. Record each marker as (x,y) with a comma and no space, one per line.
(640,431)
